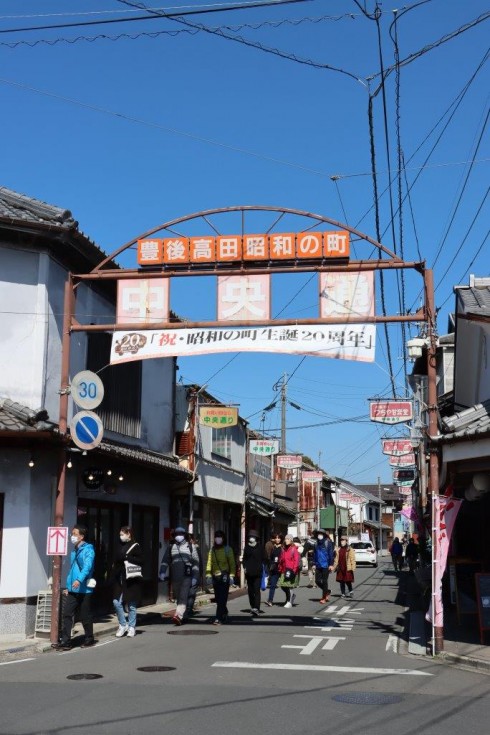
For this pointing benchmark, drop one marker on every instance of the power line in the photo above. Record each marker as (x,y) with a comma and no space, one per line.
(157,14)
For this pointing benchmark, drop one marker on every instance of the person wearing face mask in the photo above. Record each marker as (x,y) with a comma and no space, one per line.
(220,572)
(180,563)
(253,558)
(126,592)
(324,559)
(273,560)
(345,565)
(78,594)
(289,568)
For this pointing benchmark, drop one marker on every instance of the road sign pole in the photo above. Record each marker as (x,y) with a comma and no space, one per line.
(59,510)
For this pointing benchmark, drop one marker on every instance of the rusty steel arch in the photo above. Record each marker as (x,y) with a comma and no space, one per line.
(243,209)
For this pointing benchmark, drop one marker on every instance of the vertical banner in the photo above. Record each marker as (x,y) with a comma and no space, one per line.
(347,294)
(445,513)
(244,298)
(142,301)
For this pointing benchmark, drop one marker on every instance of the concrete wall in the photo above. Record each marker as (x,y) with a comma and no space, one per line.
(472,364)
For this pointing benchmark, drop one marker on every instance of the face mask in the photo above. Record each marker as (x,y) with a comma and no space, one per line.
(124,538)
(343,543)
(74,539)
(179,539)
(218,540)
(320,537)
(252,541)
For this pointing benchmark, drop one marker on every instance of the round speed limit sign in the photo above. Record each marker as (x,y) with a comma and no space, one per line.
(87,389)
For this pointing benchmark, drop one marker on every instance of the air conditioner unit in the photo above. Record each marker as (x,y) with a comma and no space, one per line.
(43,612)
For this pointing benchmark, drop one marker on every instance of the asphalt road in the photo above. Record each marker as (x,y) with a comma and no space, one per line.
(339,667)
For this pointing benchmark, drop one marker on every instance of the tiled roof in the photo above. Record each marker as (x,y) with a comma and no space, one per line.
(475,299)
(471,422)
(146,457)
(16,417)
(15,206)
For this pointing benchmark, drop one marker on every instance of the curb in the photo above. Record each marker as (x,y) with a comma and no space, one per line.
(456,659)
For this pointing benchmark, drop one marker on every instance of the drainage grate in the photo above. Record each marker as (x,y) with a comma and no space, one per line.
(192,632)
(152,669)
(77,677)
(367,698)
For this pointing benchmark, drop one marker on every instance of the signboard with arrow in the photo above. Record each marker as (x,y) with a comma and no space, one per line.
(57,542)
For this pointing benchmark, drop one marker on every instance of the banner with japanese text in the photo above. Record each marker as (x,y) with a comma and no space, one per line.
(445,513)
(341,341)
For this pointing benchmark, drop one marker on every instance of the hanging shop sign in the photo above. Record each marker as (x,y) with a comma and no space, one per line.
(406,460)
(264,446)
(289,461)
(352,498)
(390,412)
(346,294)
(142,301)
(208,251)
(312,476)
(397,447)
(340,341)
(400,475)
(219,417)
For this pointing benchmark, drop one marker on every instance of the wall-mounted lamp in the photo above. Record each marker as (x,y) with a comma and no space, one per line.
(69,464)
(31,462)
(109,473)
(121,477)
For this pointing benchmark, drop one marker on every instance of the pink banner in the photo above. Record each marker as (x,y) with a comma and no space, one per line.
(445,513)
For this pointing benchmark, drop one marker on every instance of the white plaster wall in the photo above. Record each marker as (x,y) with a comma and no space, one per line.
(472,364)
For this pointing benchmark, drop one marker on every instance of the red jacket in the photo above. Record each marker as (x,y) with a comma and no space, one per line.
(289,559)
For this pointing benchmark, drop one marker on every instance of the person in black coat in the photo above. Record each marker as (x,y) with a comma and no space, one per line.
(126,591)
(253,558)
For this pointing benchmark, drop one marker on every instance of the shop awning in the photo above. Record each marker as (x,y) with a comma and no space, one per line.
(260,505)
(375,525)
(145,457)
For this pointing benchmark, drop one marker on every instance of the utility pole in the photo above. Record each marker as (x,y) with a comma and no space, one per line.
(283,413)
(318,492)
(380,517)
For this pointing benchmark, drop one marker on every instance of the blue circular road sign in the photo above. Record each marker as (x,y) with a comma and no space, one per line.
(86,430)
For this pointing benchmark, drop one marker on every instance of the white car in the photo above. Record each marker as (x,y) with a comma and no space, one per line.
(365,553)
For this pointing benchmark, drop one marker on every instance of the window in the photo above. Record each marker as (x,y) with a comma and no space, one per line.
(221,442)
(120,410)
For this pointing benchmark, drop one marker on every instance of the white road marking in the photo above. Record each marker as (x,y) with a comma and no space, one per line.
(392,643)
(19,661)
(314,642)
(312,667)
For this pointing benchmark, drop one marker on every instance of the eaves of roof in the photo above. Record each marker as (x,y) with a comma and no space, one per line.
(145,457)
(470,423)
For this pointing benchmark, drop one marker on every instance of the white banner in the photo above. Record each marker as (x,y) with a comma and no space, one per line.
(339,341)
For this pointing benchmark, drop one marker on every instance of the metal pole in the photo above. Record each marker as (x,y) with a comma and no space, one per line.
(437,611)
(380,517)
(59,509)
(318,490)
(283,414)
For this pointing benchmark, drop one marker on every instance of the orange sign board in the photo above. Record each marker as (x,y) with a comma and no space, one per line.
(238,248)
(219,417)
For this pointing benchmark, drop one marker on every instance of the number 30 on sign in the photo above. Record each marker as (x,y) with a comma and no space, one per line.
(87,389)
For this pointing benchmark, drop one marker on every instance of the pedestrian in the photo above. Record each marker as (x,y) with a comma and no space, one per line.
(273,566)
(253,558)
(270,545)
(324,559)
(220,572)
(412,555)
(180,564)
(79,588)
(309,557)
(191,600)
(289,567)
(126,591)
(397,554)
(345,565)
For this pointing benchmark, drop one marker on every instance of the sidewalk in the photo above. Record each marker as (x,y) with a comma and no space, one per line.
(108,624)
(461,641)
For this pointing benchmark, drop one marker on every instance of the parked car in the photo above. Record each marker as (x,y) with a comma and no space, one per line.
(365,553)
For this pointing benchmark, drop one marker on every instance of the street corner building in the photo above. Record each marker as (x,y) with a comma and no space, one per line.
(129,478)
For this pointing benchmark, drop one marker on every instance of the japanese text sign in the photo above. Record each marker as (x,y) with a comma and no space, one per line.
(142,301)
(347,294)
(397,447)
(289,461)
(244,298)
(406,460)
(264,446)
(312,476)
(218,417)
(238,248)
(391,412)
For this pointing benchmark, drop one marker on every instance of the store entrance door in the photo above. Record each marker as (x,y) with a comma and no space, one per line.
(145,524)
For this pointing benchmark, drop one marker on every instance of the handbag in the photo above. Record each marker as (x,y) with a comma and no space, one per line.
(264,579)
(133,571)
(289,575)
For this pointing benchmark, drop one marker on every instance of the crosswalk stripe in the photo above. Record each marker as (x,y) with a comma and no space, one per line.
(312,667)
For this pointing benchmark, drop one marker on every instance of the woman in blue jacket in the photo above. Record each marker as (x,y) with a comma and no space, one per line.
(78,592)
(324,559)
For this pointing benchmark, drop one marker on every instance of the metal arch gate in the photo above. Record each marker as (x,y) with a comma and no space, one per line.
(100,272)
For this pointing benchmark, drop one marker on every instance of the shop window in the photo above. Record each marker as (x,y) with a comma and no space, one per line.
(120,410)
(221,442)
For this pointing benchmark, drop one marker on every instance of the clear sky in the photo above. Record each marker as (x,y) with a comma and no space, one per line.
(128,133)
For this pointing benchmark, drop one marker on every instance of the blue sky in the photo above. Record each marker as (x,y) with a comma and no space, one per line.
(130,133)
